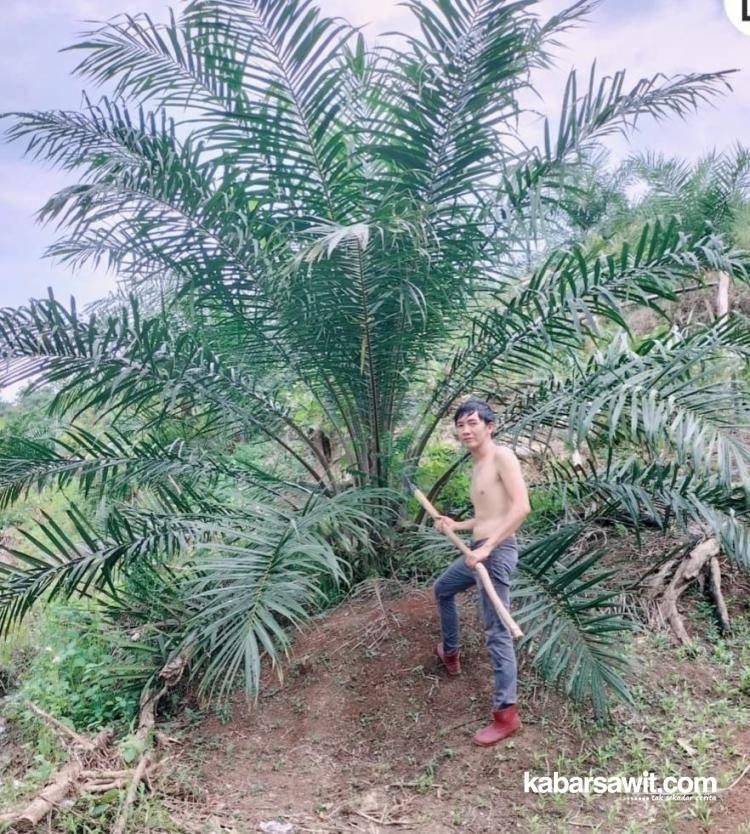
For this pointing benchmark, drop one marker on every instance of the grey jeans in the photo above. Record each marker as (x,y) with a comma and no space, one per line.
(458,577)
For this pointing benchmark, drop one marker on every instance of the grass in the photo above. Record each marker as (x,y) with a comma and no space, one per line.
(425,780)
(682,725)
(97,815)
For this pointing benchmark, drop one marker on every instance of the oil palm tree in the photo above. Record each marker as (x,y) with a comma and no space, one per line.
(300,218)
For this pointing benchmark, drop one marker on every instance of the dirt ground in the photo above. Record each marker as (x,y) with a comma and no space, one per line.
(368,734)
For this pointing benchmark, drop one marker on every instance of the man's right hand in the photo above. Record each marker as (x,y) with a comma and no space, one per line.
(444,523)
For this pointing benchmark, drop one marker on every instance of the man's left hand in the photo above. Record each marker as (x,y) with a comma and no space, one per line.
(481,554)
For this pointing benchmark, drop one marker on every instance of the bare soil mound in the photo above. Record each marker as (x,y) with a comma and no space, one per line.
(367,733)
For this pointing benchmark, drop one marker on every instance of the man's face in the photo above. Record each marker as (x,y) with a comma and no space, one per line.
(472,430)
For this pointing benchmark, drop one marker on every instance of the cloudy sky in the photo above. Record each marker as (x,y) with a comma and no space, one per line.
(643,36)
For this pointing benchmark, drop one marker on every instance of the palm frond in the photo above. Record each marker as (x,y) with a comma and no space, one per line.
(244,597)
(670,396)
(564,303)
(604,107)
(253,571)
(128,363)
(660,495)
(169,63)
(111,463)
(456,83)
(706,194)
(293,71)
(60,564)
(571,617)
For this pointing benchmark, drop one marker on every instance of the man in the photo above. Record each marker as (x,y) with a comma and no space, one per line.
(501,503)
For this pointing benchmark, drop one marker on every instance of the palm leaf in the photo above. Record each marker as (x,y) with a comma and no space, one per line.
(571,617)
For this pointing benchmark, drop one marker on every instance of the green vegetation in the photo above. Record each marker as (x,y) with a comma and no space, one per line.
(325,244)
(681,724)
(74,670)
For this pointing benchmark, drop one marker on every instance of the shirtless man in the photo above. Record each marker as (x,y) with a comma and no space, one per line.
(501,503)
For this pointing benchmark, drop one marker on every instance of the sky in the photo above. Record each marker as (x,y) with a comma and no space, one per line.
(642,36)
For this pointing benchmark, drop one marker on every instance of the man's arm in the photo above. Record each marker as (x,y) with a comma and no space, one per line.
(445,522)
(509,471)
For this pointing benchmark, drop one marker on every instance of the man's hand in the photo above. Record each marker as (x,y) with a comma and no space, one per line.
(480,554)
(444,522)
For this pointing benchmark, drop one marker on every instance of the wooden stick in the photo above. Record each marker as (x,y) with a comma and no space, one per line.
(484,577)
(61,784)
(59,727)
(103,787)
(122,819)
(714,585)
(146,721)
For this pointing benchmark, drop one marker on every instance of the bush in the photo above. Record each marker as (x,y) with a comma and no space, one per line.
(546,509)
(71,674)
(454,496)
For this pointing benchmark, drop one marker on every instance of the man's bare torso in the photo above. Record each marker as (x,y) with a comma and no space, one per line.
(489,497)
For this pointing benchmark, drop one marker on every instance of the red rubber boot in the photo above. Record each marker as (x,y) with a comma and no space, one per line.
(450,661)
(505,722)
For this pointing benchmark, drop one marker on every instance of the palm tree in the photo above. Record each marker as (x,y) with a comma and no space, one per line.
(320,238)
(709,194)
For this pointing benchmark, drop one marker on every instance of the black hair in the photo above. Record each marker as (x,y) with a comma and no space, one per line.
(482,409)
